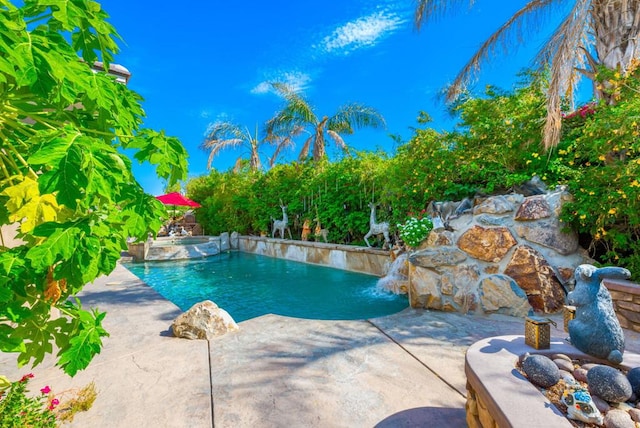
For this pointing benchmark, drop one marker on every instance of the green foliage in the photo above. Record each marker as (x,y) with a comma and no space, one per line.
(17,409)
(415,230)
(495,148)
(65,187)
(604,157)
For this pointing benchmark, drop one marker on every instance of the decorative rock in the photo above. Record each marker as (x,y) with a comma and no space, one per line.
(536,277)
(602,405)
(499,293)
(533,208)
(488,244)
(580,405)
(580,374)
(203,320)
(618,419)
(424,288)
(225,244)
(440,238)
(567,376)
(563,356)
(596,330)
(609,384)
(493,205)
(541,371)
(489,220)
(634,379)
(550,234)
(635,415)
(441,256)
(564,364)
(589,366)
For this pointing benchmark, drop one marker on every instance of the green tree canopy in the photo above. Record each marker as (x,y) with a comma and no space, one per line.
(69,199)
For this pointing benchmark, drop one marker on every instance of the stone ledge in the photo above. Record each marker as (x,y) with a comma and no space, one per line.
(510,399)
(626,299)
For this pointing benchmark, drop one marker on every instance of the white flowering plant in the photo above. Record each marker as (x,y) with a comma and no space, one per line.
(415,230)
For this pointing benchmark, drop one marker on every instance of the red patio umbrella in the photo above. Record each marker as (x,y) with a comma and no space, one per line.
(176,198)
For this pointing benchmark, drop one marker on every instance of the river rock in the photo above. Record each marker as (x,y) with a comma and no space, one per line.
(541,370)
(618,419)
(600,404)
(634,379)
(635,415)
(580,374)
(609,384)
(564,364)
(204,320)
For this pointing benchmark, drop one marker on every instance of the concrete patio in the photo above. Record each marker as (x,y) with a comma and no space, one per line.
(404,370)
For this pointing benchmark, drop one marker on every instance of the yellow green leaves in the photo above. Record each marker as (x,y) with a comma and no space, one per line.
(27,206)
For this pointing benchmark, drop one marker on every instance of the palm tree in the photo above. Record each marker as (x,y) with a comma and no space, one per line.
(596,33)
(221,135)
(298,116)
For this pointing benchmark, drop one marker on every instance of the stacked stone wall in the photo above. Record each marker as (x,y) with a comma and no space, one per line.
(511,254)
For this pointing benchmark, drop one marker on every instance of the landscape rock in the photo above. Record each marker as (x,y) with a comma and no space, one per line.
(439,256)
(494,205)
(499,293)
(635,415)
(618,419)
(601,405)
(580,374)
(204,320)
(634,379)
(541,370)
(533,208)
(564,365)
(488,244)
(550,234)
(536,277)
(609,384)
(424,289)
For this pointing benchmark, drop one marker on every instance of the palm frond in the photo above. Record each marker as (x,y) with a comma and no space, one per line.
(296,112)
(304,153)
(354,116)
(512,29)
(564,54)
(221,135)
(428,9)
(337,139)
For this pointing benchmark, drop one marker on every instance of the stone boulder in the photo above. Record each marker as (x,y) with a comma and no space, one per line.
(533,208)
(538,280)
(494,205)
(499,293)
(424,288)
(488,244)
(609,384)
(204,320)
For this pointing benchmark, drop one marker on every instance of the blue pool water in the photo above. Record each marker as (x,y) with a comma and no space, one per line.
(248,285)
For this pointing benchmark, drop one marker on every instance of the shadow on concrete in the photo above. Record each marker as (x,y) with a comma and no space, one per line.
(425,417)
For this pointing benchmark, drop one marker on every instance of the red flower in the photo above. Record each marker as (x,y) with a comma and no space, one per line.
(26,377)
(54,403)
(45,390)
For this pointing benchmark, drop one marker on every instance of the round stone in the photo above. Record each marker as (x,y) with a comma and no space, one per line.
(541,370)
(580,374)
(634,379)
(563,364)
(618,419)
(601,405)
(609,384)
(635,414)
(563,356)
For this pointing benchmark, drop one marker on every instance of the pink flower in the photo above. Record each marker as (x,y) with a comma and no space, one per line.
(45,390)
(54,403)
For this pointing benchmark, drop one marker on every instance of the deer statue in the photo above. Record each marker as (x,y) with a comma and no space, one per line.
(376,228)
(281,225)
(306,230)
(319,231)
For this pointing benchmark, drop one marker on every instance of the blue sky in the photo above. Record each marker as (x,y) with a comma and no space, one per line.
(198,62)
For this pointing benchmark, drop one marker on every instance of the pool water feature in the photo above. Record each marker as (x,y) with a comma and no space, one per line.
(249,285)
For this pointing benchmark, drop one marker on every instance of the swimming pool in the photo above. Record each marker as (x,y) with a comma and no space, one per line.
(249,285)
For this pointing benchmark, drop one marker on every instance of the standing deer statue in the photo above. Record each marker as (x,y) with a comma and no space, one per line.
(281,225)
(319,232)
(376,228)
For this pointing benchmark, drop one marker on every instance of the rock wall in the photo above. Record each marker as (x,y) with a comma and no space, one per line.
(509,255)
